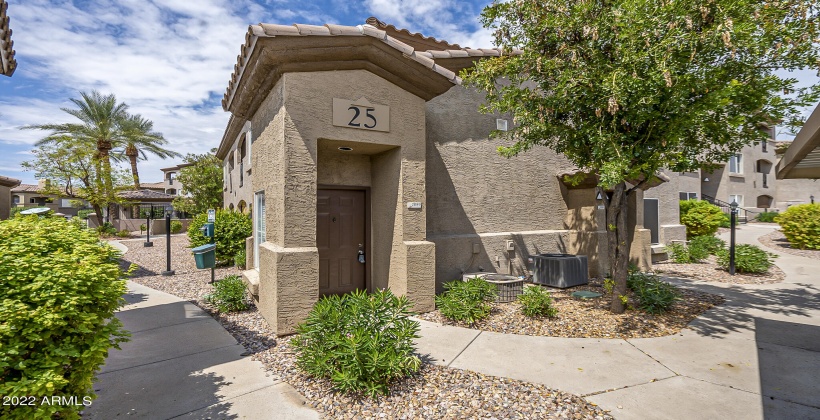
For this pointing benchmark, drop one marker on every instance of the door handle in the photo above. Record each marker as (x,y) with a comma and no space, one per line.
(361,254)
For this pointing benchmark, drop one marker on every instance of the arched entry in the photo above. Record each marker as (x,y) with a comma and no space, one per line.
(764,201)
(241,206)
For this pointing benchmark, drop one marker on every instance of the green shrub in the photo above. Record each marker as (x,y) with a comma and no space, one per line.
(124,234)
(176,226)
(748,259)
(700,217)
(801,225)
(229,294)
(360,341)
(726,222)
(710,245)
(767,216)
(537,302)
(107,229)
(230,231)
(467,301)
(239,259)
(59,289)
(654,295)
(686,254)
(143,228)
(83,214)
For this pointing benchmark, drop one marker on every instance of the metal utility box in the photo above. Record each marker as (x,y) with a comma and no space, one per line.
(560,270)
(205,256)
(207,230)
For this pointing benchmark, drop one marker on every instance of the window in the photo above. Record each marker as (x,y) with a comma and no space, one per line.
(688,196)
(259,226)
(736,164)
(15,199)
(736,198)
(764,146)
(249,139)
(32,201)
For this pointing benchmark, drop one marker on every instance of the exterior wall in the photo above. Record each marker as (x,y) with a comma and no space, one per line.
(668,195)
(5,202)
(750,183)
(790,192)
(294,123)
(237,184)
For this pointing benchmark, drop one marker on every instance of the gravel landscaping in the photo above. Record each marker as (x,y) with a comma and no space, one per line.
(710,271)
(591,318)
(776,240)
(434,392)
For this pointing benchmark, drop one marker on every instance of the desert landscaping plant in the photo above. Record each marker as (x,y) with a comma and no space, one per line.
(536,301)
(767,216)
(239,259)
(229,294)
(60,289)
(361,342)
(466,301)
(801,225)
(748,259)
(710,245)
(176,226)
(700,217)
(654,295)
(230,231)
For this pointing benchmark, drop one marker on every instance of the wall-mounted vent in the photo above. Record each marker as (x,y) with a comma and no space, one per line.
(501,124)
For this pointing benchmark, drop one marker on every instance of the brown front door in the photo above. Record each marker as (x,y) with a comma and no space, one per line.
(340,234)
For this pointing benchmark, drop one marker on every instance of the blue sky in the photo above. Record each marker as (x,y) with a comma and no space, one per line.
(170,60)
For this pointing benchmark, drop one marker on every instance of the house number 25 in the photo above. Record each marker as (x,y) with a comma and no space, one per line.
(363,121)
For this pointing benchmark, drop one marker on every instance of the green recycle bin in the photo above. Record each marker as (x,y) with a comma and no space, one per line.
(205,256)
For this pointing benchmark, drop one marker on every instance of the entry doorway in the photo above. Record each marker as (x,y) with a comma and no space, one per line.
(342,229)
(651,218)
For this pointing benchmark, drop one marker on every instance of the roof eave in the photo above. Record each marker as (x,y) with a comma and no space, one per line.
(806,142)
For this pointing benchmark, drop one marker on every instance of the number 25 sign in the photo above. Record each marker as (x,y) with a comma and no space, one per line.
(361,114)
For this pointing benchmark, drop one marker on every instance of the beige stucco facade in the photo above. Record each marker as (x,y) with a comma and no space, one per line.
(440,200)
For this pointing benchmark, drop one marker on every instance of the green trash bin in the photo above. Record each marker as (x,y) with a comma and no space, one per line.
(205,256)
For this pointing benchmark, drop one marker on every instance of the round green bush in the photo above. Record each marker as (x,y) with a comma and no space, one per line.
(361,342)
(466,301)
(748,259)
(700,217)
(230,231)
(536,301)
(801,225)
(176,226)
(654,295)
(59,289)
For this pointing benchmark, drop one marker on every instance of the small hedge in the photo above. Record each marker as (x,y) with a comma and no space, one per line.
(59,289)
(700,217)
(361,342)
(536,301)
(229,294)
(230,231)
(748,259)
(654,295)
(467,301)
(767,216)
(710,245)
(176,226)
(801,225)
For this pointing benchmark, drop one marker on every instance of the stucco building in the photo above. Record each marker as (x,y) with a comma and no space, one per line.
(366,165)
(30,195)
(6,184)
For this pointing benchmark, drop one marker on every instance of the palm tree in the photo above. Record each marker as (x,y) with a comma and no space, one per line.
(138,138)
(101,117)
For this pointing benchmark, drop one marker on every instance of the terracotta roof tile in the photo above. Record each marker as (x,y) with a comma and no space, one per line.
(26,188)
(7,62)
(375,22)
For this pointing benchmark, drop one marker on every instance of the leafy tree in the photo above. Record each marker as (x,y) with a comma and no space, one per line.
(137,139)
(72,167)
(623,88)
(201,183)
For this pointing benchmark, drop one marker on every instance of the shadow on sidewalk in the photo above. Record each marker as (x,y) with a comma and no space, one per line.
(788,356)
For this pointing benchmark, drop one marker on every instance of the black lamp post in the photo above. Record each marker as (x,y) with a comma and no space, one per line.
(732,238)
(168,271)
(812,198)
(148,217)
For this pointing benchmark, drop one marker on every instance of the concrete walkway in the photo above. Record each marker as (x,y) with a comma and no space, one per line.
(181,363)
(755,357)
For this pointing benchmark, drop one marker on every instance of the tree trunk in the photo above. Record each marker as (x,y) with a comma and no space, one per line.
(618,245)
(98,213)
(132,154)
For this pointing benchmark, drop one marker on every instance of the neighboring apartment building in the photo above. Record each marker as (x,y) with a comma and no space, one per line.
(170,183)
(27,195)
(372,168)
(6,184)
(7,61)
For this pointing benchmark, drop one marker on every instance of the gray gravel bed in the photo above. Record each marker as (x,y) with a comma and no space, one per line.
(776,240)
(434,392)
(710,271)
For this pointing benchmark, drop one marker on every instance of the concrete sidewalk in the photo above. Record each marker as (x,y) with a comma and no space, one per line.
(755,357)
(180,362)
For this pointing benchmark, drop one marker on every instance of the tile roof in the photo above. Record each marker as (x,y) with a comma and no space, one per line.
(8,182)
(404,33)
(26,188)
(145,195)
(426,58)
(160,185)
(7,62)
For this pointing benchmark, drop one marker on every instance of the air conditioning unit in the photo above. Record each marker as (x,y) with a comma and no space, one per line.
(560,270)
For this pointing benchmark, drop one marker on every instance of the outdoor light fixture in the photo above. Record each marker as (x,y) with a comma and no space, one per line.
(733,221)
(812,198)
(168,272)
(705,179)
(345,148)
(599,197)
